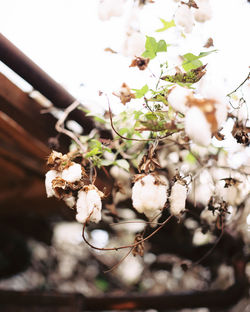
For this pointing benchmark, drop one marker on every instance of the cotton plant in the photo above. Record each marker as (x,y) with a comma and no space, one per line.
(66,181)
(177,122)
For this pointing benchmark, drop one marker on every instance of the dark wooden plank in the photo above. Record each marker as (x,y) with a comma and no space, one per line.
(25,110)
(22,138)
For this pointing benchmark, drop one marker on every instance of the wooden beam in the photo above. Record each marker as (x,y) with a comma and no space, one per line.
(25,110)
(41,81)
(22,138)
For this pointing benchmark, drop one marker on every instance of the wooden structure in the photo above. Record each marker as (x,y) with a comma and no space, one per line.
(24,134)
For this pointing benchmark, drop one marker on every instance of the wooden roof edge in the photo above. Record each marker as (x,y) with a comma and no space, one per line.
(15,59)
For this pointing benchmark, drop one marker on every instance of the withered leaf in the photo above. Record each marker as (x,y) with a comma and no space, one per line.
(219,136)
(191,4)
(125,94)
(241,133)
(231,182)
(209,43)
(138,249)
(140,62)
(192,76)
(110,50)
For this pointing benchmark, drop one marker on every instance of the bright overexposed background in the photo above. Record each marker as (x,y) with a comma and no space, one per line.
(67,40)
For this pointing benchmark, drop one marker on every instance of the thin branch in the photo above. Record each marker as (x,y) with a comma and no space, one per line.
(121,247)
(60,125)
(210,250)
(119,262)
(248,77)
(132,139)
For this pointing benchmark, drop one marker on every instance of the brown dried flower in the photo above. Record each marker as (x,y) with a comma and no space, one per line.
(140,62)
(231,182)
(209,43)
(191,4)
(125,94)
(138,249)
(149,161)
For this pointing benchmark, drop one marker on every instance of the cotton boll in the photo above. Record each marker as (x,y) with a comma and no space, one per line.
(149,195)
(153,215)
(82,207)
(221,105)
(184,18)
(88,202)
(197,127)
(178,97)
(178,198)
(94,205)
(208,216)
(221,113)
(49,177)
(202,193)
(134,45)
(119,174)
(109,8)
(72,173)
(204,13)
(70,201)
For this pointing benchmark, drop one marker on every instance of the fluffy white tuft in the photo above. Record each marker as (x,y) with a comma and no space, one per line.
(184,18)
(204,13)
(208,216)
(148,196)
(70,201)
(49,177)
(134,44)
(73,173)
(109,8)
(197,127)
(178,198)
(178,97)
(88,202)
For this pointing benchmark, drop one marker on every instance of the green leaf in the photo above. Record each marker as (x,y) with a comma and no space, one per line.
(151,44)
(191,61)
(137,114)
(123,131)
(166,25)
(102,284)
(152,47)
(106,162)
(139,93)
(190,158)
(94,151)
(161,46)
(95,143)
(124,164)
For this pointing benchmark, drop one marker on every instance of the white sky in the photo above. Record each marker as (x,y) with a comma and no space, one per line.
(66,39)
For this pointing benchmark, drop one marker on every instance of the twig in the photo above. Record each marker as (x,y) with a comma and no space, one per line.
(132,139)
(60,125)
(119,262)
(248,77)
(122,247)
(210,250)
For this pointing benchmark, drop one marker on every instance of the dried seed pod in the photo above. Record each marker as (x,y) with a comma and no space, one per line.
(140,62)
